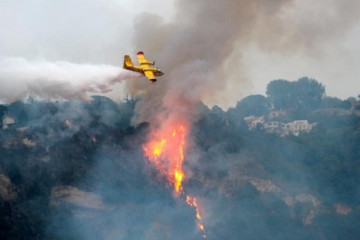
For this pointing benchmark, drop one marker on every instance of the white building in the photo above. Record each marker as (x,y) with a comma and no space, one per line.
(253,121)
(297,126)
(273,127)
(7,121)
(283,129)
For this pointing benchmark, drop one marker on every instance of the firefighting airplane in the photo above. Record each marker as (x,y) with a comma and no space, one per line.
(144,68)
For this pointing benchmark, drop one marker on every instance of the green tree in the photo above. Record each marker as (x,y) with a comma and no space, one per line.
(279,93)
(303,95)
(346,104)
(3,110)
(253,105)
(331,102)
(308,93)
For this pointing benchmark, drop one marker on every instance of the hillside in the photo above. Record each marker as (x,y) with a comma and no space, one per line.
(75,170)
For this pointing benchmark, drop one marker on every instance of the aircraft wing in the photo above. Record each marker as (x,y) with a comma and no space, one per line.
(142,60)
(150,75)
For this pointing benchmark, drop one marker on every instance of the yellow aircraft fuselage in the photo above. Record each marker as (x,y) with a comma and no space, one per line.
(144,68)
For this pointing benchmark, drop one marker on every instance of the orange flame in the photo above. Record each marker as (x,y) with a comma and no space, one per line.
(166,152)
(192,201)
(68,123)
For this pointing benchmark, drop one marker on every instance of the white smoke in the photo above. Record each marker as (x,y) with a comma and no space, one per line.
(20,79)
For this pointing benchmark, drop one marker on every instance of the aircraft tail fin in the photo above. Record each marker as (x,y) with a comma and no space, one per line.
(127,62)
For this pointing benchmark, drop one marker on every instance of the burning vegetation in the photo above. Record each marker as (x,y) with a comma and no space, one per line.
(98,177)
(165,166)
(167,152)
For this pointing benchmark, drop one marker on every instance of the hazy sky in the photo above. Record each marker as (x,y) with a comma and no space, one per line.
(321,40)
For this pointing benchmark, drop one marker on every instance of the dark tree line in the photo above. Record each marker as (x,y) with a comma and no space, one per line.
(301,97)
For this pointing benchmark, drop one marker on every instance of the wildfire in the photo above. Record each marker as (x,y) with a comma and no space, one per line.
(68,123)
(166,151)
(192,201)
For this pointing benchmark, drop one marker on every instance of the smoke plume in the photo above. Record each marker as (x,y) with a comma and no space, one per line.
(200,50)
(193,49)
(20,79)
(200,53)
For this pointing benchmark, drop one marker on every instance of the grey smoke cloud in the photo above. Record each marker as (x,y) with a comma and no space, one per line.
(100,32)
(192,50)
(201,49)
(20,79)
